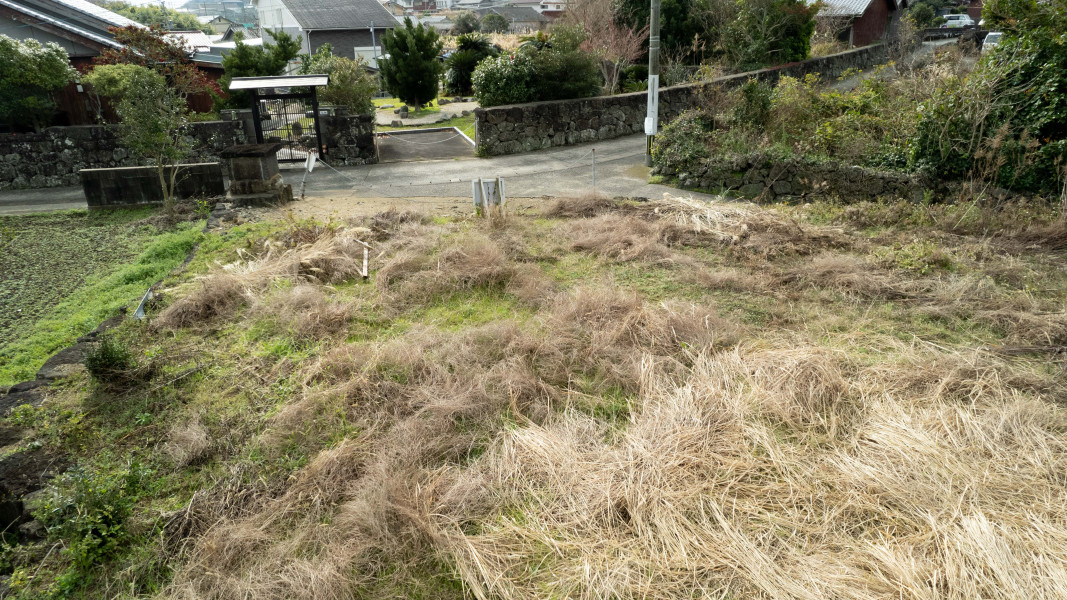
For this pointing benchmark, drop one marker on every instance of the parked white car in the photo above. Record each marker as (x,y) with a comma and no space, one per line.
(957,21)
(991,40)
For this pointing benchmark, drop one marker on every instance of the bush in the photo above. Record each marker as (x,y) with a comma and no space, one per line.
(350,84)
(531,75)
(87,507)
(29,72)
(753,107)
(564,75)
(505,79)
(109,360)
(112,81)
(471,49)
(494,23)
(683,143)
(1006,123)
(466,22)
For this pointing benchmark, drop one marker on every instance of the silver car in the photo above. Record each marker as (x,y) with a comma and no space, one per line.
(991,40)
(957,21)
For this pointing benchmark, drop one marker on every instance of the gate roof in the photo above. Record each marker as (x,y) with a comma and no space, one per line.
(281,81)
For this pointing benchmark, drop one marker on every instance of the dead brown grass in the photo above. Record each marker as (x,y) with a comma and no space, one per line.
(620,238)
(334,256)
(614,447)
(589,205)
(306,312)
(475,261)
(218,297)
(851,275)
(188,443)
(921,497)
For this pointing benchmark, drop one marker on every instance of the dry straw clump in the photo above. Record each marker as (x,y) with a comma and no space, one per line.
(419,277)
(721,484)
(317,255)
(306,312)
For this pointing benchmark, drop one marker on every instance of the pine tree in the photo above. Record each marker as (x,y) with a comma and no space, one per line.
(412,70)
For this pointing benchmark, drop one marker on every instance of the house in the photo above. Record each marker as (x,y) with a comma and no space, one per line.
(974,10)
(440,23)
(351,27)
(216,23)
(552,9)
(80,28)
(408,7)
(521,19)
(467,4)
(862,22)
(231,9)
(395,8)
(192,41)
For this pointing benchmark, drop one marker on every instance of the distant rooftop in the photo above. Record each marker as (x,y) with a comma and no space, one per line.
(340,14)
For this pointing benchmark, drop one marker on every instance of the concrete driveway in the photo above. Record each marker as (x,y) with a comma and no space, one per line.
(566,171)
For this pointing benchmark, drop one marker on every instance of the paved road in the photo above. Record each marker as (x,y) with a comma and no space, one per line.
(620,171)
(23,202)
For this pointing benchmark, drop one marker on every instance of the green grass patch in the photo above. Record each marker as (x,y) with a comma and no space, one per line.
(429,109)
(115,285)
(464,124)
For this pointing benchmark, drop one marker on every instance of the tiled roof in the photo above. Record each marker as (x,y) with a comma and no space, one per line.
(340,14)
(844,8)
(98,12)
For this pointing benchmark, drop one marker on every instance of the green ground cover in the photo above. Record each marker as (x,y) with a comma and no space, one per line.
(61,274)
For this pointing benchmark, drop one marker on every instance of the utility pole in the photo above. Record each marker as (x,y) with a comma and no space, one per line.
(652,117)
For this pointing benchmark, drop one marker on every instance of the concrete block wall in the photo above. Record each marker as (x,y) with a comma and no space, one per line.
(525,127)
(53,157)
(126,187)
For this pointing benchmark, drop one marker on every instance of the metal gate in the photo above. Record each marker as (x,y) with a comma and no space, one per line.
(286,109)
(290,118)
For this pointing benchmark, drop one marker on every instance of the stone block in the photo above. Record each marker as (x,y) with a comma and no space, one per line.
(751,190)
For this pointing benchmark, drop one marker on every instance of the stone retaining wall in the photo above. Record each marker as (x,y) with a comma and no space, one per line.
(525,127)
(349,139)
(53,157)
(767,178)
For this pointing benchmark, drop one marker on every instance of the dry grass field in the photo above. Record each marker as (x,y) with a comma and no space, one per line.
(606,399)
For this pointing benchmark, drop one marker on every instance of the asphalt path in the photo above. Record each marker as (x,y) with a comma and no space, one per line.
(566,171)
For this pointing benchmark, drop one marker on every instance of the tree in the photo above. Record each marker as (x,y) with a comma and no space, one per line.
(412,70)
(471,49)
(267,60)
(350,84)
(614,43)
(494,23)
(923,15)
(158,16)
(111,81)
(679,23)
(147,47)
(29,72)
(466,22)
(769,32)
(153,121)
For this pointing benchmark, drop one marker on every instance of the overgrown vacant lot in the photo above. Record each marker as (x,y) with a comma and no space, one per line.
(609,400)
